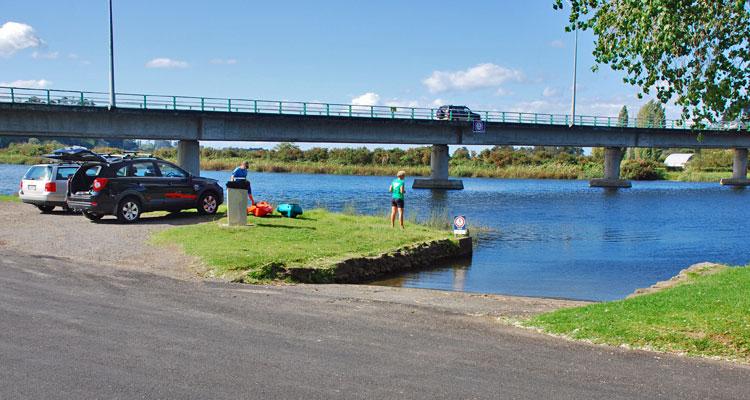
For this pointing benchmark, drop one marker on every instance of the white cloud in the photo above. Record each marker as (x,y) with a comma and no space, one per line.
(48,55)
(366,99)
(550,92)
(15,36)
(28,83)
(403,103)
(227,61)
(164,62)
(481,76)
(557,43)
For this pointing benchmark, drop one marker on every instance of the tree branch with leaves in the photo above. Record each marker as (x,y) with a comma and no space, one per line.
(693,52)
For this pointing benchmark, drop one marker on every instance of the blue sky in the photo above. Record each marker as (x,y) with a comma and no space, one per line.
(496,55)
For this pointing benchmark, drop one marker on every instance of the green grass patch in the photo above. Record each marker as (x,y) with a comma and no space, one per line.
(317,239)
(10,197)
(707,315)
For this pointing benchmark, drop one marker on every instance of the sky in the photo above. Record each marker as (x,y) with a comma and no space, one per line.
(489,55)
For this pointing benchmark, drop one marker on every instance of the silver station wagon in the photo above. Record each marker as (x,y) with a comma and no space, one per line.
(46,185)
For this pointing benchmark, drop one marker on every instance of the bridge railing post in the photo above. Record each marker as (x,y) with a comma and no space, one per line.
(48,97)
(12,96)
(503,116)
(145,103)
(82,101)
(412,113)
(255,106)
(304,108)
(432,113)
(203,104)
(372,111)
(174,102)
(229,105)
(328,110)
(280,107)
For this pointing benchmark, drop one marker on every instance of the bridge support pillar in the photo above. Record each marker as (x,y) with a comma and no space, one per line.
(439,179)
(612,158)
(189,156)
(739,170)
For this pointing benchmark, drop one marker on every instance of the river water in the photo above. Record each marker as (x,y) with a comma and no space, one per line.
(547,238)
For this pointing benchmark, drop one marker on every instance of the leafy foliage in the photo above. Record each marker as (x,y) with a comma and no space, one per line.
(696,53)
(641,170)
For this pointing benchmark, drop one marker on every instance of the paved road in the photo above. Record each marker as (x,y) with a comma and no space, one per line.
(72,330)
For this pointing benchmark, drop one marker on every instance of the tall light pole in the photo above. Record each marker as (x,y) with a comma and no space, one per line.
(575,76)
(111,61)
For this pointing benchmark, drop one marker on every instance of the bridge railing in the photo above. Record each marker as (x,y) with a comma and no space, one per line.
(164,102)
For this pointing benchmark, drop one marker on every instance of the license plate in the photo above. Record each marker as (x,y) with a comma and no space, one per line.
(32,187)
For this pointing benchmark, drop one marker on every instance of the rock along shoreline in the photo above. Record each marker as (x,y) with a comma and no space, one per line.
(363,269)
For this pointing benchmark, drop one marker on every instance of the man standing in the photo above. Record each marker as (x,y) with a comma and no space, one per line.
(240,174)
(397,198)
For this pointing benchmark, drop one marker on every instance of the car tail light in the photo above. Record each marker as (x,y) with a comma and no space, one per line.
(99,184)
(50,187)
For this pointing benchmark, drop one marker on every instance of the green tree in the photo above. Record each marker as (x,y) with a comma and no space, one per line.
(288,152)
(649,116)
(622,118)
(693,52)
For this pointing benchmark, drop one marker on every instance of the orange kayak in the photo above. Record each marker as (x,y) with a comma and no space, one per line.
(260,209)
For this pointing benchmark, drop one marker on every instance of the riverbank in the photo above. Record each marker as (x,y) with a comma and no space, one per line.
(319,246)
(701,312)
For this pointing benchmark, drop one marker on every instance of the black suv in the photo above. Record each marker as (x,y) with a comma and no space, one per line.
(457,113)
(127,185)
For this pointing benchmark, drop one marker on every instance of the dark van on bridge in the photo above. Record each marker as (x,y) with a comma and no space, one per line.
(127,185)
(457,113)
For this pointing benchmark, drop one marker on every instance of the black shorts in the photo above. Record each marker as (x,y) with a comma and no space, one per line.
(397,203)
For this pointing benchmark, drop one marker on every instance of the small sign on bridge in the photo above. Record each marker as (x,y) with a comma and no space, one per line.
(478,126)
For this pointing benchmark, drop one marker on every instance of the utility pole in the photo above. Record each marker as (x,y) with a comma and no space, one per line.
(111,61)
(575,76)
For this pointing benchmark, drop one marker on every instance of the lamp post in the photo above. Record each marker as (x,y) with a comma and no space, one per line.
(575,76)
(111,61)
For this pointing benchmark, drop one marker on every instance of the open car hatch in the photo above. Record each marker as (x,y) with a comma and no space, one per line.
(76,154)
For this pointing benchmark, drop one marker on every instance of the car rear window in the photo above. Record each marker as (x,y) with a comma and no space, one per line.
(38,173)
(64,172)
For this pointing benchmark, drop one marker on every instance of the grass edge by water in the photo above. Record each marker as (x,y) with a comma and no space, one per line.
(700,317)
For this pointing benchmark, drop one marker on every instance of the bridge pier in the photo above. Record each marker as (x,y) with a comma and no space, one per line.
(612,158)
(739,170)
(189,156)
(439,178)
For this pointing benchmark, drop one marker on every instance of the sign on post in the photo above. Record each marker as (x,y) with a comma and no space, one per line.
(478,126)
(459,225)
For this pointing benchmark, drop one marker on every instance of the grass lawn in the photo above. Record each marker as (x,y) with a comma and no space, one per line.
(9,197)
(318,239)
(707,316)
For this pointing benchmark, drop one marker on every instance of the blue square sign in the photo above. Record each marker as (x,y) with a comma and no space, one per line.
(478,126)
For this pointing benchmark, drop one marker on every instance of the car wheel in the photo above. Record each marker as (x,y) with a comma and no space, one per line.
(208,204)
(129,210)
(46,209)
(92,216)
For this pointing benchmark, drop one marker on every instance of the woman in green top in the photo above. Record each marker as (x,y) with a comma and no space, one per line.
(397,200)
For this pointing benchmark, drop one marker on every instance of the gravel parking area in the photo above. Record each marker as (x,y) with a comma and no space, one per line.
(107,243)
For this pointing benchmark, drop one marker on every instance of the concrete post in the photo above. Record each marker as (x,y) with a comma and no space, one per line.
(439,177)
(739,170)
(189,156)
(612,158)
(439,160)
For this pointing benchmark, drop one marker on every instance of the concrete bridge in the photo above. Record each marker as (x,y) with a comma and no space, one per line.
(51,113)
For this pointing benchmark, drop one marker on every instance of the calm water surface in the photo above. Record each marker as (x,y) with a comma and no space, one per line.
(549,238)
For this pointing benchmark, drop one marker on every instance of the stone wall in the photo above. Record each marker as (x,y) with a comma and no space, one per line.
(361,269)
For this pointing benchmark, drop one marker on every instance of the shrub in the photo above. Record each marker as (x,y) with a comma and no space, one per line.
(641,170)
